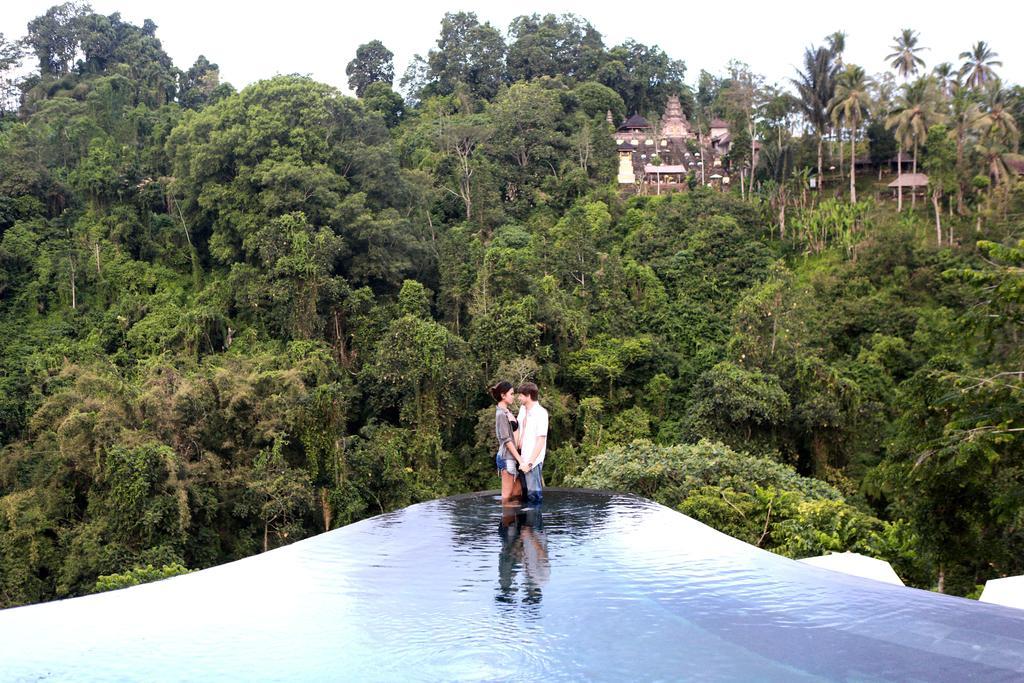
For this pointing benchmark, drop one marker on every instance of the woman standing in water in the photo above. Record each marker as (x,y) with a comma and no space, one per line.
(507,459)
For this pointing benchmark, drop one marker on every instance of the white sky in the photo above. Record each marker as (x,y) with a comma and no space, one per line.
(257,39)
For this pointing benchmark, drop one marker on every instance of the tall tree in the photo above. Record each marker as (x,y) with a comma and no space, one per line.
(904,58)
(965,113)
(459,137)
(553,46)
(917,110)
(837,45)
(53,37)
(945,75)
(197,85)
(644,75)
(978,63)
(1000,136)
(940,165)
(816,86)
(10,60)
(997,121)
(850,105)
(468,53)
(738,99)
(373,63)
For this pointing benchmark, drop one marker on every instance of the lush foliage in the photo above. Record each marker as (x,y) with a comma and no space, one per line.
(229,320)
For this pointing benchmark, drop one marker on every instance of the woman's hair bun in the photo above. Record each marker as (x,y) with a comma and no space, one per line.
(500,388)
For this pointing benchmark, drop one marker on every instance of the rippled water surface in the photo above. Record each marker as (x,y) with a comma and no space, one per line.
(591,586)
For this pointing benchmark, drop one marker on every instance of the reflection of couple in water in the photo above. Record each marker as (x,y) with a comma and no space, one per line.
(522,443)
(523,546)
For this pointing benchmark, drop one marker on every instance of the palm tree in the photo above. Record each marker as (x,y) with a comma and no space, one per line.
(978,63)
(837,45)
(965,113)
(995,158)
(946,75)
(851,103)
(917,109)
(904,56)
(1000,136)
(997,123)
(816,86)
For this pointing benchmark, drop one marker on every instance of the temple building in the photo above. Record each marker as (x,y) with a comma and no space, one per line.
(667,155)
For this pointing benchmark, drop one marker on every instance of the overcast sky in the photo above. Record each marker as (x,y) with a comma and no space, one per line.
(257,39)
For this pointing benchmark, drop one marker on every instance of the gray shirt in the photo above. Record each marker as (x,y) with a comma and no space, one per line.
(503,431)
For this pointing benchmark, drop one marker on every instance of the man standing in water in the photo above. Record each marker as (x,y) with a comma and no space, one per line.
(532,439)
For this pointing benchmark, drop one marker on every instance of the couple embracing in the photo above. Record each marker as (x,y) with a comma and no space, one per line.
(522,442)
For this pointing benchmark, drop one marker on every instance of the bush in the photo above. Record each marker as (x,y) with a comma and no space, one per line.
(756,500)
(138,575)
(669,474)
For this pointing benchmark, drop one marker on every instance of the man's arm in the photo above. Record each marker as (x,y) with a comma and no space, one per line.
(538,445)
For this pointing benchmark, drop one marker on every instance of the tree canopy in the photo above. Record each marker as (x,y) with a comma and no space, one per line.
(233,319)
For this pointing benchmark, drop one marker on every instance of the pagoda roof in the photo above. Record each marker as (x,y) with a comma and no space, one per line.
(635,121)
(718,123)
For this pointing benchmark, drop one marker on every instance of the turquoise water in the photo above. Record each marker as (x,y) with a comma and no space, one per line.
(592,586)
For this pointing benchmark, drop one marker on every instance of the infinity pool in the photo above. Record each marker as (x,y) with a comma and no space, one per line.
(593,586)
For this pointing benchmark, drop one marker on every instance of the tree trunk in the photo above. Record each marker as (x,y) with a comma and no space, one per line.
(899,179)
(325,507)
(959,175)
(913,190)
(853,166)
(841,155)
(74,299)
(821,176)
(266,535)
(936,194)
(197,270)
(782,214)
(750,130)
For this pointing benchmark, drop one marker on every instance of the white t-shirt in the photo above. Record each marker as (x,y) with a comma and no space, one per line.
(534,424)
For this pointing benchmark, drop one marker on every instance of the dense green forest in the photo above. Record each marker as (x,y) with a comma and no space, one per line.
(233,319)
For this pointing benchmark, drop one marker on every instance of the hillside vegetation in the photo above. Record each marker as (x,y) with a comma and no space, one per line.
(233,319)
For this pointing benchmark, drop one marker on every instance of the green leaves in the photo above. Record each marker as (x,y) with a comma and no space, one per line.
(373,63)
(753,499)
(136,576)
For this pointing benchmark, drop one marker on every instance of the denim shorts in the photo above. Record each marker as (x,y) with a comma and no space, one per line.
(508,465)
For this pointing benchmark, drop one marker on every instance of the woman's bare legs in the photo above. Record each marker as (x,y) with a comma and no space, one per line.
(509,496)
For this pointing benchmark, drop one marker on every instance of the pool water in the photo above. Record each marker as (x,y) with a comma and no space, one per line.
(589,586)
